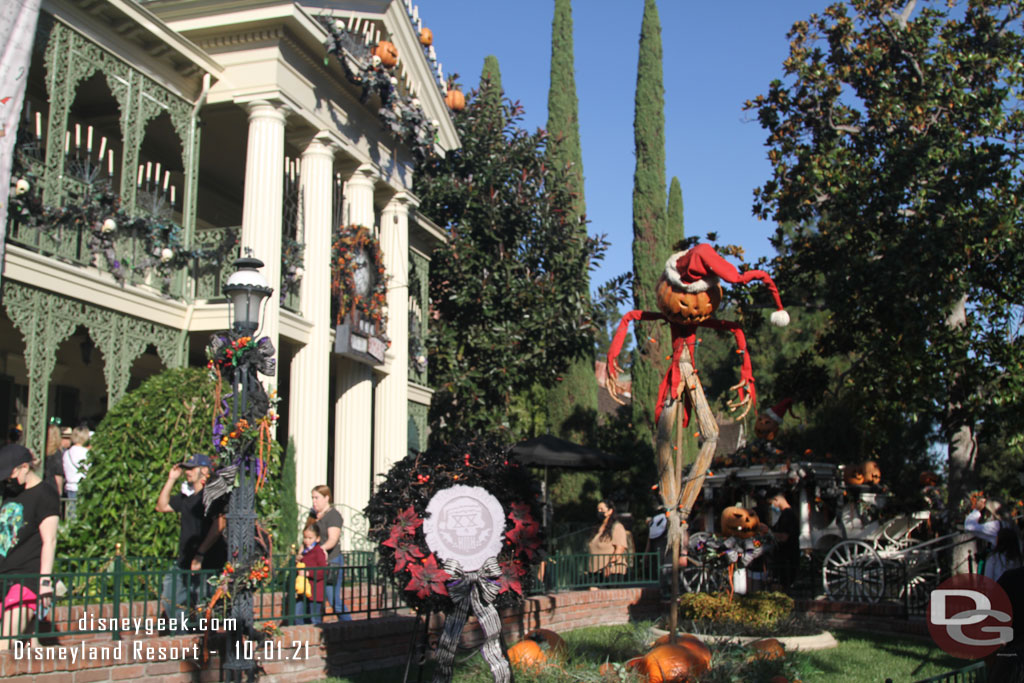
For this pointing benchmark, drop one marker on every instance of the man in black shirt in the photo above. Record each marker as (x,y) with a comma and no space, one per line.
(786,531)
(200,542)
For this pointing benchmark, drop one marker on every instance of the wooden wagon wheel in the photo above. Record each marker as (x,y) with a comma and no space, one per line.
(853,572)
(698,576)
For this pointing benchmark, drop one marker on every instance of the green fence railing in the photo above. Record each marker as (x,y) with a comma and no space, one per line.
(974,673)
(576,571)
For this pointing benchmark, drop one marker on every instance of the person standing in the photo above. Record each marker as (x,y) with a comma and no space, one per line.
(200,540)
(53,463)
(313,561)
(786,531)
(75,466)
(608,546)
(28,541)
(329,523)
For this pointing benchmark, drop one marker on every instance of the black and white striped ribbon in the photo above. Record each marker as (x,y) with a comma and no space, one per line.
(477,591)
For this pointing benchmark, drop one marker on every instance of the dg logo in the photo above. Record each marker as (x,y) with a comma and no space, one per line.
(970,616)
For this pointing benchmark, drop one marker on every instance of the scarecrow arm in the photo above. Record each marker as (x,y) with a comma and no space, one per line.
(612,368)
(746,394)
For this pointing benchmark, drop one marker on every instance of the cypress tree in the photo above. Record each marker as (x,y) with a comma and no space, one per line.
(491,91)
(572,402)
(652,241)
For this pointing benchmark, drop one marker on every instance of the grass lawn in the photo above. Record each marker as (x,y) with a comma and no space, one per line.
(859,657)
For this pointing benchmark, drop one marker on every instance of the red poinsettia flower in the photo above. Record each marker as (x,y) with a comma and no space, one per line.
(428,578)
(406,550)
(408,521)
(511,577)
(524,539)
(521,516)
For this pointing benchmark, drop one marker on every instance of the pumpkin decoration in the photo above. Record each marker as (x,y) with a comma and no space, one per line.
(687,308)
(426,37)
(769,421)
(928,479)
(387,52)
(455,100)
(872,474)
(526,654)
(555,645)
(853,476)
(768,648)
(694,645)
(671,664)
(739,522)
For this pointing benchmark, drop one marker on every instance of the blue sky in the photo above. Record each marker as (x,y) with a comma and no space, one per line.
(716,56)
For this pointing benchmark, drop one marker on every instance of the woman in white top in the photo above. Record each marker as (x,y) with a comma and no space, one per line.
(75,466)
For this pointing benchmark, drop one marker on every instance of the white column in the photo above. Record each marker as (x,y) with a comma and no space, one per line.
(391,418)
(309,401)
(353,411)
(262,204)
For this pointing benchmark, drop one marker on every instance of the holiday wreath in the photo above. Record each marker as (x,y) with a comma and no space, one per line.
(358,279)
(397,510)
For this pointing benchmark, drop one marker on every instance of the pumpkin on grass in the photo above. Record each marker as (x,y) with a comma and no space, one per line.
(549,641)
(767,648)
(671,664)
(526,654)
(691,643)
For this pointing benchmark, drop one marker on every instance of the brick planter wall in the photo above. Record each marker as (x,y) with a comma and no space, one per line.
(335,649)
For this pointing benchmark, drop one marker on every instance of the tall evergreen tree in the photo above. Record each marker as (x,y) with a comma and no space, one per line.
(652,240)
(491,92)
(572,402)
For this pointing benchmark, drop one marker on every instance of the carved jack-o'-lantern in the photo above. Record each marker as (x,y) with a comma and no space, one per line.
(872,474)
(694,645)
(526,654)
(671,664)
(766,428)
(426,37)
(739,522)
(387,52)
(853,476)
(687,308)
(455,100)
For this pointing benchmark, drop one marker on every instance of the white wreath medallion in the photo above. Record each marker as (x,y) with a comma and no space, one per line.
(464,523)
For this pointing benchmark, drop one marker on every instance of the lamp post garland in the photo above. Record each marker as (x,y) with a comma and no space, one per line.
(235,357)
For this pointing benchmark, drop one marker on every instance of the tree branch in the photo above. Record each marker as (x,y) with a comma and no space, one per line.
(901,19)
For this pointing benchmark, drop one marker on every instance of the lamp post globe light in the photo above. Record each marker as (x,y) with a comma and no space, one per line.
(246,290)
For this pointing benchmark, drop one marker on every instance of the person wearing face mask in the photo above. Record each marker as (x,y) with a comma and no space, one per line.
(786,531)
(28,541)
(608,546)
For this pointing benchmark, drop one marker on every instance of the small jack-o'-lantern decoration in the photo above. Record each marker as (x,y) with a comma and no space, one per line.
(426,37)
(739,522)
(550,640)
(928,479)
(853,475)
(671,664)
(455,100)
(768,648)
(687,308)
(694,645)
(768,422)
(872,474)
(526,654)
(387,52)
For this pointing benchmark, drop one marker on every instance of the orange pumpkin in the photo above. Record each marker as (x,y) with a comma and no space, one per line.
(687,308)
(695,646)
(739,522)
(554,643)
(426,37)
(872,474)
(928,479)
(853,476)
(455,100)
(670,664)
(387,52)
(766,428)
(768,648)
(526,654)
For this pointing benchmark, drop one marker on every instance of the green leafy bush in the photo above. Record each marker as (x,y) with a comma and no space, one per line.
(160,423)
(761,610)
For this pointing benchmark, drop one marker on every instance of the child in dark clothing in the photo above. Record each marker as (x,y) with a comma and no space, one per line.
(312,561)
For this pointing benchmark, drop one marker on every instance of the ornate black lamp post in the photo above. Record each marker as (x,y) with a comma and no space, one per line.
(245,289)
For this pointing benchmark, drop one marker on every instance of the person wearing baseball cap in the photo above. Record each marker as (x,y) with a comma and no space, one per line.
(28,540)
(200,540)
